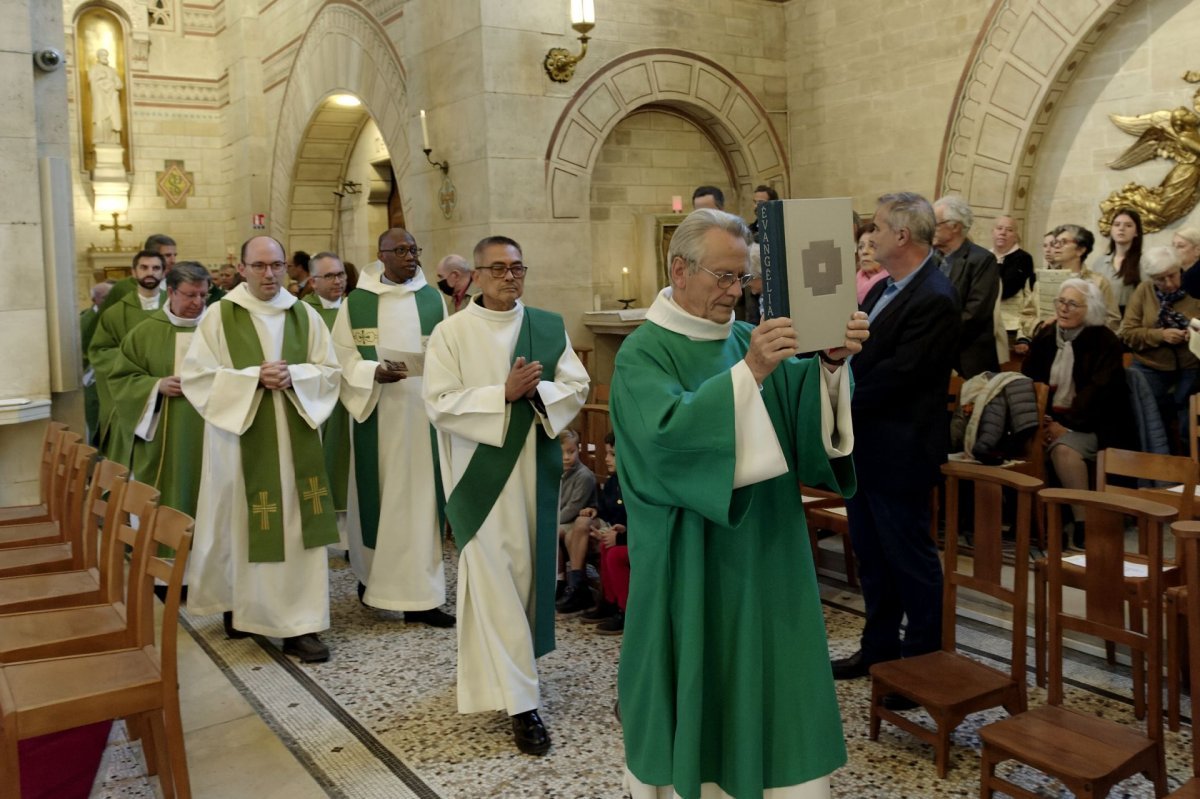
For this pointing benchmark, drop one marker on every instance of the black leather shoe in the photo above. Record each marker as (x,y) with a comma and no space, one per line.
(230,630)
(307,648)
(362,591)
(850,668)
(575,601)
(896,703)
(530,733)
(434,617)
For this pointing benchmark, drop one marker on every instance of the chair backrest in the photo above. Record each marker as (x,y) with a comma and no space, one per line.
(1103,615)
(593,424)
(1194,425)
(171,528)
(137,506)
(105,495)
(953,392)
(1187,536)
(1170,469)
(1035,448)
(986,567)
(51,443)
(73,524)
(60,474)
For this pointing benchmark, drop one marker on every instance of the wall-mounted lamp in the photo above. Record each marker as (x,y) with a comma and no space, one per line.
(442,165)
(559,63)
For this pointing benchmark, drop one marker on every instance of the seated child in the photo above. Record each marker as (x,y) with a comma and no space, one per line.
(576,491)
(604,526)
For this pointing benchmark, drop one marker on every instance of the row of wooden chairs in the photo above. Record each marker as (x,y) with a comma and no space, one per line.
(1088,754)
(77,640)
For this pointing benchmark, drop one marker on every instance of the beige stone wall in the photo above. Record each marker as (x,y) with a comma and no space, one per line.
(870,89)
(1136,69)
(649,158)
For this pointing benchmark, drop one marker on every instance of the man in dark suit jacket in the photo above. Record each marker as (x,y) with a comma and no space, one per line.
(901,437)
(975,276)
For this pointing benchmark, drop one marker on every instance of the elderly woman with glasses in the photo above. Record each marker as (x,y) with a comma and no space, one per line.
(1155,328)
(1080,359)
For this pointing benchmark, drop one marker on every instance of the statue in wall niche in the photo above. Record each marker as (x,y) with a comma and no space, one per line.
(106,89)
(1170,134)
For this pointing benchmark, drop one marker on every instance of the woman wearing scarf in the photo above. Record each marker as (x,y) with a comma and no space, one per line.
(1155,327)
(1080,359)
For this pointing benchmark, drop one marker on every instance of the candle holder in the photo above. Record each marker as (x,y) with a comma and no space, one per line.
(442,165)
(627,304)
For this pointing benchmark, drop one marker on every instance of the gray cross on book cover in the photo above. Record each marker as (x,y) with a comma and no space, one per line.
(807,254)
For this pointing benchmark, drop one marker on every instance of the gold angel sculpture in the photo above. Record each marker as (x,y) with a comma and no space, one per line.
(1173,135)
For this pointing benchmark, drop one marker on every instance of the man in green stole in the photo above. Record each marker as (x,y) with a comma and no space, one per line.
(501,382)
(168,434)
(262,373)
(328,277)
(115,322)
(87,328)
(379,338)
(724,680)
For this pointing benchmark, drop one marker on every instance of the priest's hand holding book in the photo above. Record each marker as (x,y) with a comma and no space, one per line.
(274,375)
(856,334)
(522,380)
(390,372)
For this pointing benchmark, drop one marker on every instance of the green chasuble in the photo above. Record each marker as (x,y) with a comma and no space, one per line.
(335,433)
(91,397)
(724,675)
(171,460)
(114,324)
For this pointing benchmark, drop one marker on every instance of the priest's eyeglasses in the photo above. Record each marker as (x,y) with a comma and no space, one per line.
(727,279)
(260,267)
(498,270)
(400,252)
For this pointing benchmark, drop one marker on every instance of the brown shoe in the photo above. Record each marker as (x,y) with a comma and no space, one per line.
(307,648)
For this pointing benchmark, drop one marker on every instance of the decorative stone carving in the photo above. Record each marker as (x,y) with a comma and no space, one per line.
(701,89)
(175,184)
(107,118)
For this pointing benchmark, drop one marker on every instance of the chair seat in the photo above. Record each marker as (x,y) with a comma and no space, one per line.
(21,514)
(27,535)
(61,632)
(43,591)
(1189,790)
(97,687)
(34,560)
(960,681)
(1071,745)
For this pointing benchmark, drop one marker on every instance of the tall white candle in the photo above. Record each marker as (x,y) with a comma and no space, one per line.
(424,132)
(625,283)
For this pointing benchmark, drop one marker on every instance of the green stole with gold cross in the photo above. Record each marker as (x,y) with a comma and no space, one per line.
(260,444)
(541,338)
(363,309)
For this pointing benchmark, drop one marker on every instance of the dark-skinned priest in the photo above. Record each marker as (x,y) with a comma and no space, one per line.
(168,434)
(724,683)
(501,382)
(262,373)
(395,537)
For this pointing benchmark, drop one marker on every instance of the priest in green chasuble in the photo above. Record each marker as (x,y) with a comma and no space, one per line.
(262,373)
(379,338)
(328,276)
(724,682)
(87,328)
(501,382)
(168,434)
(115,322)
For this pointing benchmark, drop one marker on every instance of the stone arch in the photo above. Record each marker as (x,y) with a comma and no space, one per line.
(344,50)
(1023,62)
(696,87)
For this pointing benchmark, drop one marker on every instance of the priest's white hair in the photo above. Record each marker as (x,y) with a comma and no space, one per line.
(688,241)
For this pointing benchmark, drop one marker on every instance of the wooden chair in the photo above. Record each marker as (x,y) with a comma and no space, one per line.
(94,583)
(68,504)
(139,684)
(593,424)
(1111,463)
(89,628)
(951,686)
(1089,754)
(63,554)
(20,514)
(825,510)
(1187,539)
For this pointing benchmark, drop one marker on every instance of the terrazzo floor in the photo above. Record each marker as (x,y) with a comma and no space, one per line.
(379,719)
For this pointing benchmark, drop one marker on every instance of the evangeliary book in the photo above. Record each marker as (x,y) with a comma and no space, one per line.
(807,253)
